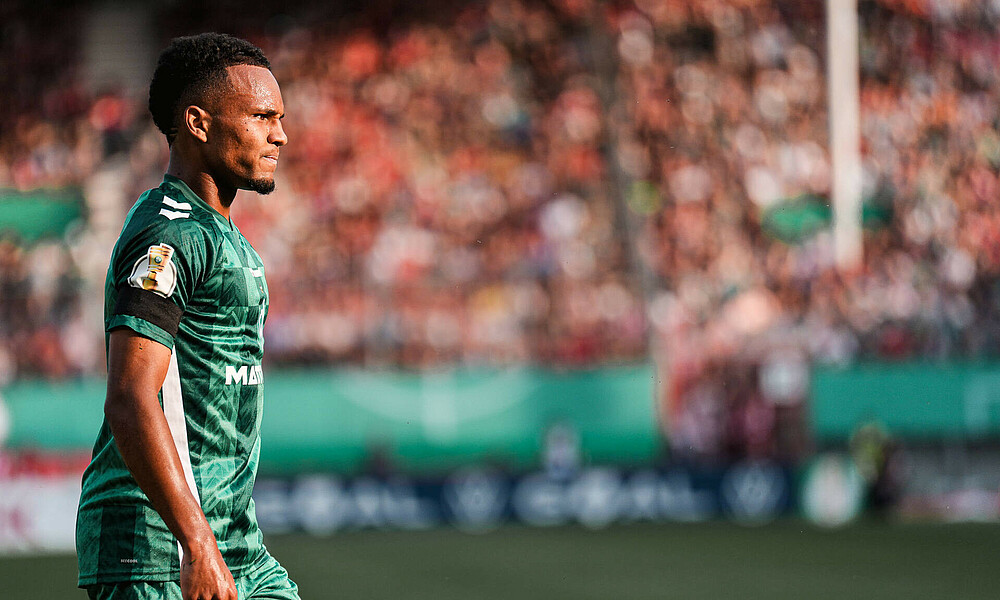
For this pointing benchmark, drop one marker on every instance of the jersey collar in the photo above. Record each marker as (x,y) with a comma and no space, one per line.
(189,195)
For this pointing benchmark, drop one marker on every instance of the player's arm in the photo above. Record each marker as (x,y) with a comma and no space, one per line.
(137,367)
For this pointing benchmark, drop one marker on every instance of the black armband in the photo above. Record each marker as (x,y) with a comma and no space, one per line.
(149,306)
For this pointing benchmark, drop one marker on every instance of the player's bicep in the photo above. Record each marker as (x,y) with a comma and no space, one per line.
(137,367)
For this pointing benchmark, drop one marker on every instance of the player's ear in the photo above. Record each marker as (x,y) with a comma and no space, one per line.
(197,121)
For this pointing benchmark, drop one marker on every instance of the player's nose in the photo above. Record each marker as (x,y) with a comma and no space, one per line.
(278,137)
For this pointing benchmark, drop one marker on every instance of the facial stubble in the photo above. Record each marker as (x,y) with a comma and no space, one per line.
(261,186)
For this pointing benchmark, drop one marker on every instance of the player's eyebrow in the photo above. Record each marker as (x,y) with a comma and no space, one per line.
(270,112)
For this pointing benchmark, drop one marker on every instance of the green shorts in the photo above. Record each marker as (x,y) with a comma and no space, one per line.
(268,582)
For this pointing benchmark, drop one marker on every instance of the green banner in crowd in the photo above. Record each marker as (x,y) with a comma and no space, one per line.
(39,213)
(347,420)
(914,401)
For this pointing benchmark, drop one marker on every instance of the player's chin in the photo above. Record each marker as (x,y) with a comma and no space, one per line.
(261,185)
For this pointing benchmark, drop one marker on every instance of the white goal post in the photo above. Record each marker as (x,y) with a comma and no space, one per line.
(845,137)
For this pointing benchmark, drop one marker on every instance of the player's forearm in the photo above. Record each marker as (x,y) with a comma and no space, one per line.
(144,440)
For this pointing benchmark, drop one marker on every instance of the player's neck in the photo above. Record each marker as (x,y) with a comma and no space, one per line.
(203,184)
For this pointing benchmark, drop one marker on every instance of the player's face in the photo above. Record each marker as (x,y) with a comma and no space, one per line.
(246,133)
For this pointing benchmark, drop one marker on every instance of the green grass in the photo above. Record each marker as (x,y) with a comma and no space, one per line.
(707,561)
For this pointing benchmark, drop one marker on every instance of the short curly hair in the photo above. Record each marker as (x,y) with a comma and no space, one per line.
(191,66)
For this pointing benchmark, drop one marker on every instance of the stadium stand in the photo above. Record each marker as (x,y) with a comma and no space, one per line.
(568,184)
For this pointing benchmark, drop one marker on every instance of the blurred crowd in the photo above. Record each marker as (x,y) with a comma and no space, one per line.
(569,183)
(449,205)
(721,116)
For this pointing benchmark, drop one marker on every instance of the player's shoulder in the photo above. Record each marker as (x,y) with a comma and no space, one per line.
(158,220)
(163,211)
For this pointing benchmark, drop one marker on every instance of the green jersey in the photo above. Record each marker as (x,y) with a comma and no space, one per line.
(182,275)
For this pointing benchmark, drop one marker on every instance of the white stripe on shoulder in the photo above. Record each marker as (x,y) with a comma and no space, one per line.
(175,204)
(173,214)
(173,410)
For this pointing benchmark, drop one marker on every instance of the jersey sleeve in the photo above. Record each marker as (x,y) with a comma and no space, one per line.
(157,270)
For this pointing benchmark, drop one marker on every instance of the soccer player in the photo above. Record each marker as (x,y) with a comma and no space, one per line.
(166,510)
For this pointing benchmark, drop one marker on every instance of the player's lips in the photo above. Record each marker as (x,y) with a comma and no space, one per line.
(272,158)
